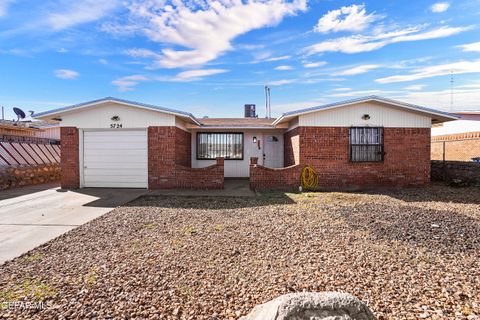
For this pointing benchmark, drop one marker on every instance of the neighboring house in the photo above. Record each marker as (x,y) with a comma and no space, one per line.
(29,131)
(364,142)
(457,140)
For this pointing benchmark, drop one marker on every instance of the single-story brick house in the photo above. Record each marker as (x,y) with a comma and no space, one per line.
(364,142)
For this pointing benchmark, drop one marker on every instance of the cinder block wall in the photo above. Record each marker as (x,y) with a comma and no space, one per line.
(69,164)
(458,147)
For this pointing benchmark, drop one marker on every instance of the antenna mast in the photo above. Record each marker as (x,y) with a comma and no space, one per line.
(451,90)
(267,103)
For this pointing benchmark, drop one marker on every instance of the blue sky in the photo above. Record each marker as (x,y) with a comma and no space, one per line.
(211,57)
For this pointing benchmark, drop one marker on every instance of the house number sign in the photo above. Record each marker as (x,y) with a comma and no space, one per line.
(115,125)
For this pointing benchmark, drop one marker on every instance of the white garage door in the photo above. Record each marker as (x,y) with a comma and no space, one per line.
(115,159)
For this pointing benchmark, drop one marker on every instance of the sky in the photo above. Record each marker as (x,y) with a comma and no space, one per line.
(212,57)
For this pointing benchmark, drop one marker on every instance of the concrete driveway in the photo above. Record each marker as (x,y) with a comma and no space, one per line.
(34,215)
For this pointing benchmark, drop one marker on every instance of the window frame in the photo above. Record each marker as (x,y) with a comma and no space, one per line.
(219,132)
(351,145)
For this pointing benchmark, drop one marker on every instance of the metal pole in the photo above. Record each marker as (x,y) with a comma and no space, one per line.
(3,114)
(266,102)
(269,105)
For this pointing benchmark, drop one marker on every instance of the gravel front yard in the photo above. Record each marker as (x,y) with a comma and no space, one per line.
(410,254)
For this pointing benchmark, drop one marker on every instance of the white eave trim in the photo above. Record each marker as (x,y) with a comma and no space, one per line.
(42,115)
(349,103)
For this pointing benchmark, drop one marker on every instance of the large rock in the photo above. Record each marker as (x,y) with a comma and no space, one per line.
(312,306)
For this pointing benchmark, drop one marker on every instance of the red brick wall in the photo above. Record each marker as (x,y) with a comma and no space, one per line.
(169,162)
(279,178)
(183,147)
(161,157)
(291,144)
(69,140)
(210,177)
(406,161)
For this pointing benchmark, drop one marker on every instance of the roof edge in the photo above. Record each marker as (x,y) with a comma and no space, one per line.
(413,107)
(117,100)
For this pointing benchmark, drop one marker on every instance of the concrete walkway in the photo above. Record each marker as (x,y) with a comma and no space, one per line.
(34,215)
(232,188)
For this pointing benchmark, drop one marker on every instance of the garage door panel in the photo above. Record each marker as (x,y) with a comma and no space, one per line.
(117,179)
(105,184)
(115,159)
(119,142)
(115,171)
(129,133)
(111,155)
(115,166)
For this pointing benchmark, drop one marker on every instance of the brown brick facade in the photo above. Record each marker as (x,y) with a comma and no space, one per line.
(169,162)
(211,177)
(291,144)
(326,149)
(183,147)
(69,139)
(278,178)
(406,161)
(161,157)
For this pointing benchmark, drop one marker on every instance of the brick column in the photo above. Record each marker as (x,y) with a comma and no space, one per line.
(161,157)
(69,141)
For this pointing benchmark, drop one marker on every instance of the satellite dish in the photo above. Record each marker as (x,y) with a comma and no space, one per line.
(19,112)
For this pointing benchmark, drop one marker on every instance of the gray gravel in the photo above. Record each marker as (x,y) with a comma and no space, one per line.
(412,253)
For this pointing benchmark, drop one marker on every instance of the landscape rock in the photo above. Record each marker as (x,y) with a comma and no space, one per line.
(312,305)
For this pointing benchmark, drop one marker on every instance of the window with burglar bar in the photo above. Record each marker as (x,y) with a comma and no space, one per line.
(211,145)
(366,144)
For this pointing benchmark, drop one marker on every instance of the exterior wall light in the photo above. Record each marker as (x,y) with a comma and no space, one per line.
(254,139)
(366,117)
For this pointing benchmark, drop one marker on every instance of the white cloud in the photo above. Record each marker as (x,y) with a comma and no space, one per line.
(434,71)
(192,75)
(362,93)
(414,87)
(470,47)
(129,82)
(352,18)
(278,58)
(282,82)
(342,89)
(283,68)
(366,43)
(78,12)
(264,57)
(277,109)
(357,70)
(66,74)
(4,4)
(463,99)
(314,64)
(440,7)
(203,30)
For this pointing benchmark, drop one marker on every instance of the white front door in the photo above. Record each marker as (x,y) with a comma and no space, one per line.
(273,155)
(115,159)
